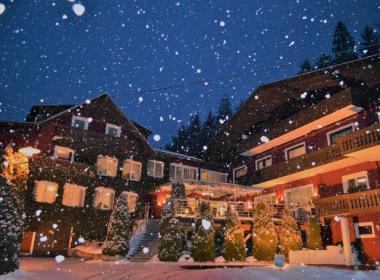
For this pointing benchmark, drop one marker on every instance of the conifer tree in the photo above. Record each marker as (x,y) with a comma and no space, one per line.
(234,246)
(370,42)
(313,235)
(343,44)
(305,67)
(323,61)
(119,229)
(11,223)
(208,129)
(289,234)
(194,136)
(264,233)
(171,237)
(224,111)
(202,241)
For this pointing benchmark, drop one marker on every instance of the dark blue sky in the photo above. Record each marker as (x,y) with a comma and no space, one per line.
(127,47)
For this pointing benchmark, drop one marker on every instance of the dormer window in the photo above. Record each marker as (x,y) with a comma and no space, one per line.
(113,130)
(106,166)
(80,122)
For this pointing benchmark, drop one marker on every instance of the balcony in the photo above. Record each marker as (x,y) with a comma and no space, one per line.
(359,146)
(92,143)
(351,203)
(189,208)
(340,106)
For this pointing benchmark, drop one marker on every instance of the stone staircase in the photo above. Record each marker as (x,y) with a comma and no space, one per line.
(149,240)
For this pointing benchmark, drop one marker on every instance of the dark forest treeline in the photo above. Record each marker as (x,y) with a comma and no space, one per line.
(344,48)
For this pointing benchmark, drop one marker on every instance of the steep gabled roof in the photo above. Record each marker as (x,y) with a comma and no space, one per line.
(39,113)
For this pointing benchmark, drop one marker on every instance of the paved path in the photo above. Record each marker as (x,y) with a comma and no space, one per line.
(72,268)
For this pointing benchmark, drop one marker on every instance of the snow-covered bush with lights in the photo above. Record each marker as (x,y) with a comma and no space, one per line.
(171,238)
(234,246)
(289,234)
(119,229)
(264,233)
(11,223)
(178,191)
(202,241)
(313,235)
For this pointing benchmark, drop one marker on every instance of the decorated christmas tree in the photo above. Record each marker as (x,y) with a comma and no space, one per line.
(202,242)
(119,229)
(313,235)
(171,238)
(11,223)
(264,233)
(234,246)
(289,234)
(178,191)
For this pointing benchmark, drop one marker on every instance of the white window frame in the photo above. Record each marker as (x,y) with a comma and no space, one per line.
(80,199)
(133,162)
(294,146)
(104,190)
(55,156)
(118,128)
(351,176)
(263,158)
(364,224)
(79,118)
(108,159)
(213,172)
(260,198)
(154,175)
(236,169)
(183,166)
(309,186)
(338,129)
(44,184)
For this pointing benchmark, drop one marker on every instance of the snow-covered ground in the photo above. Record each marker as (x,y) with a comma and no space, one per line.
(72,268)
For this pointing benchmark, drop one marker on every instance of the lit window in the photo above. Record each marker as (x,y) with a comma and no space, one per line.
(240,171)
(73,195)
(155,169)
(355,182)
(63,153)
(79,122)
(132,201)
(364,230)
(113,130)
(299,197)
(132,170)
(104,198)
(179,172)
(106,166)
(332,136)
(268,199)
(212,176)
(295,151)
(263,162)
(45,191)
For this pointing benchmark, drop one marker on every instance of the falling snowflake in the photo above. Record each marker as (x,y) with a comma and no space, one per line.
(79,9)
(59,259)
(38,213)
(206,224)
(222,23)
(264,139)
(146,250)
(141,99)
(291,43)
(156,137)
(205,148)
(337,219)
(2,8)
(43,238)
(303,95)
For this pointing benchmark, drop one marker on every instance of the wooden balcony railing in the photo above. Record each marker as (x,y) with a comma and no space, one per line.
(350,203)
(336,102)
(358,140)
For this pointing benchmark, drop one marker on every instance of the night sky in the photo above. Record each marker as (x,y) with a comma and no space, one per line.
(50,55)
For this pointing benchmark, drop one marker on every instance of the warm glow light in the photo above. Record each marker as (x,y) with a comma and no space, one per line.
(29,151)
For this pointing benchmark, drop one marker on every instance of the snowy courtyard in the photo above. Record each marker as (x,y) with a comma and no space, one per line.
(72,268)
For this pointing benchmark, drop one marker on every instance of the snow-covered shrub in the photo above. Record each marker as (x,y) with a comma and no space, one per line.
(289,234)
(178,191)
(202,241)
(313,235)
(264,233)
(234,246)
(11,223)
(171,238)
(119,229)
